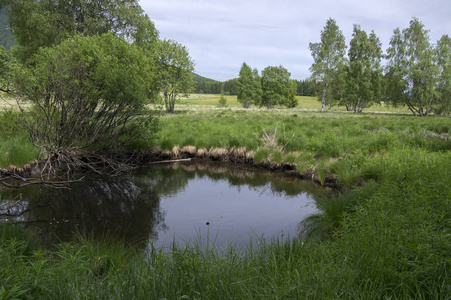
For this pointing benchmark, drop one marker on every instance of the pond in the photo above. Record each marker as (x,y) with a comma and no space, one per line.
(178,202)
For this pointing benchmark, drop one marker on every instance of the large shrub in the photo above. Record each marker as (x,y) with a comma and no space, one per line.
(88,94)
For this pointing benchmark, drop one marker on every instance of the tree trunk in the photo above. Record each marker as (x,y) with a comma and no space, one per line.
(166,101)
(323,101)
(171,103)
(410,106)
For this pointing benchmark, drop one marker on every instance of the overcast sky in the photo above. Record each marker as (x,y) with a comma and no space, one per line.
(222,34)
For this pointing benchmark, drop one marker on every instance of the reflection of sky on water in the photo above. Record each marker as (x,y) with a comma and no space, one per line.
(234,213)
(166,202)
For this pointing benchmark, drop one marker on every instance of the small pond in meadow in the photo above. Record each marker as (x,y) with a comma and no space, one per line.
(179,202)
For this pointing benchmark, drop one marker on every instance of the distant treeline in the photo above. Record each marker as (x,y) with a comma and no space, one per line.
(209,86)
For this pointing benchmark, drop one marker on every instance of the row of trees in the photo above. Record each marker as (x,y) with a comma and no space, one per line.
(89,69)
(417,73)
(208,87)
(303,87)
(306,87)
(273,88)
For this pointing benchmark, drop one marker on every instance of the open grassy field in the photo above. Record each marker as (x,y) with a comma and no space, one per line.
(212,100)
(384,235)
(305,104)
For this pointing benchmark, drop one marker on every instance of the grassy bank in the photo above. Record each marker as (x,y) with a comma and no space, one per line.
(346,146)
(387,236)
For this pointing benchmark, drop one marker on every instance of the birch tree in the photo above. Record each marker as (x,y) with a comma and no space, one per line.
(364,71)
(327,56)
(412,73)
(443,60)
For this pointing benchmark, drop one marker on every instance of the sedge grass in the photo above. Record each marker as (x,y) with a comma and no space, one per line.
(388,236)
(15,146)
(16,151)
(341,144)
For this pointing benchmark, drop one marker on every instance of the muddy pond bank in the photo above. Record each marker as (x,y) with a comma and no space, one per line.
(242,156)
(31,173)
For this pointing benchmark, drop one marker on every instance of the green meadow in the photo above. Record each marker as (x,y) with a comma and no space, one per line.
(212,100)
(383,234)
(305,103)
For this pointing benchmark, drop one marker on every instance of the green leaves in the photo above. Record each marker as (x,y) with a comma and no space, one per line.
(411,73)
(276,86)
(7,65)
(364,72)
(327,56)
(249,90)
(88,93)
(175,70)
(443,61)
(38,24)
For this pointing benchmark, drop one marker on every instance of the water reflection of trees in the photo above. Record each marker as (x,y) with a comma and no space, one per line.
(129,206)
(123,207)
(237,175)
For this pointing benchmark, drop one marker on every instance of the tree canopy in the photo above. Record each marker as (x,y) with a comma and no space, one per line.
(175,70)
(276,86)
(6,37)
(229,87)
(411,72)
(327,56)
(364,71)
(249,88)
(44,23)
(88,93)
(7,65)
(443,61)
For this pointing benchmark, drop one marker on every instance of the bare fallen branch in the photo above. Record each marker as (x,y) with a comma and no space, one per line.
(8,177)
(169,161)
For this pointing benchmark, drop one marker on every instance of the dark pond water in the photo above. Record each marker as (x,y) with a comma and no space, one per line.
(178,202)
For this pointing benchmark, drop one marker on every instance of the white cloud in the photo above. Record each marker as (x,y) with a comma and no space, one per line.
(222,34)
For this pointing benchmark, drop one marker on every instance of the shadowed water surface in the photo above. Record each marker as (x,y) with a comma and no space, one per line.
(178,202)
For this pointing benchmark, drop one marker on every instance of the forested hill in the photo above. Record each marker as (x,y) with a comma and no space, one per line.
(6,37)
(198,78)
(206,85)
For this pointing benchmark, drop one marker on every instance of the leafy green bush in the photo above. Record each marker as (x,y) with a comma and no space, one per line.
(222,101)
(107,83)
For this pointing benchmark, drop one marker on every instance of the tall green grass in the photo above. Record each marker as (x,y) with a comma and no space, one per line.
(16,151)
(387,237)
(340,144)
(15,146)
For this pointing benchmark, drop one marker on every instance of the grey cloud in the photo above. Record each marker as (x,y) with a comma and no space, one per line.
(222,34)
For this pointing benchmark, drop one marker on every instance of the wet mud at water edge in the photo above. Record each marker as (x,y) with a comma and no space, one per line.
(181,202)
